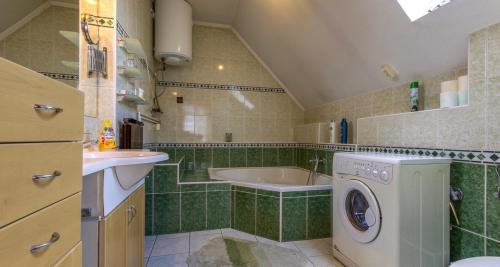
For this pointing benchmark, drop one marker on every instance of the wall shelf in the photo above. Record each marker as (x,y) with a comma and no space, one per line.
(132,46)
(130,72)
(132,98)
(71,36)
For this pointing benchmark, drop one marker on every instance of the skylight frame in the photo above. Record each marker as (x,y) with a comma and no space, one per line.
(416,9)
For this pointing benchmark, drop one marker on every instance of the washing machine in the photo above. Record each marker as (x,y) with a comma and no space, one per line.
(390,210)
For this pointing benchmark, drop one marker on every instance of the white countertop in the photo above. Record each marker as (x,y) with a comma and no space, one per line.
(98,161)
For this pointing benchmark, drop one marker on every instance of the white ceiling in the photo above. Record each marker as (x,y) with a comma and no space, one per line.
(214,11)
(324,50)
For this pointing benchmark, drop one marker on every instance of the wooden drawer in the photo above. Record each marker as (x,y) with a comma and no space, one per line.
(20,195)
(21,89)
(73,258)
(17,239)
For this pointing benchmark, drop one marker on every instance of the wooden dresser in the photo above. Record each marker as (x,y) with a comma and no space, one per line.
(41,129)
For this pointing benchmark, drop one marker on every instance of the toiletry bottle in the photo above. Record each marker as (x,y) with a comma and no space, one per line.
(332,131)
(414,96)
(343,131)
(107,139)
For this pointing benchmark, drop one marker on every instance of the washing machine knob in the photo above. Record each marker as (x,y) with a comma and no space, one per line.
(375,173)
(368,170)
(384,175)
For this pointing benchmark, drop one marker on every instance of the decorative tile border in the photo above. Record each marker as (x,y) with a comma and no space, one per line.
(107,22)
(337,147)
(456,155)
(221,87)
(60,76)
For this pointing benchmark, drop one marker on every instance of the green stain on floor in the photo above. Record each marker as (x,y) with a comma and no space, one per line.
(239,253)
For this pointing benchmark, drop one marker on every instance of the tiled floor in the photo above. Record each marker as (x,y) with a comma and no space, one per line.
(173,250)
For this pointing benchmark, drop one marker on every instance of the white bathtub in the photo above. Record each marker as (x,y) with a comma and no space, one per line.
(282,179)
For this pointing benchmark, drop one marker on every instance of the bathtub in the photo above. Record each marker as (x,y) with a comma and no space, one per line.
(276,203)
(280,179)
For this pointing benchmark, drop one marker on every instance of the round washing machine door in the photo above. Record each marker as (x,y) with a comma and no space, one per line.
(359,211)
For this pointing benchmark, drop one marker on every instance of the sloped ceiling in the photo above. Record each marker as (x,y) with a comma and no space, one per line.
(13,11)
(324,50)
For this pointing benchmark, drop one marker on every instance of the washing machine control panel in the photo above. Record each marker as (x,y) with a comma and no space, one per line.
(375,171)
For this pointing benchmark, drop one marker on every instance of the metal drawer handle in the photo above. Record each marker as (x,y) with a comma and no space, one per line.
(35,249)
(42,107)
(46,177)
(132,212)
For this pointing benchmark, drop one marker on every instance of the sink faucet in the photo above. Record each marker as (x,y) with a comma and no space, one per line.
(314,171)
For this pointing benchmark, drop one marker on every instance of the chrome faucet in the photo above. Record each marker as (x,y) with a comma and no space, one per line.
(314,171)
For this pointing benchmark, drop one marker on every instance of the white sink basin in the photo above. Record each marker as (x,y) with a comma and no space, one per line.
(130,166)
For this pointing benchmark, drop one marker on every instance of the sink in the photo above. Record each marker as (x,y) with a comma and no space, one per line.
(129,166)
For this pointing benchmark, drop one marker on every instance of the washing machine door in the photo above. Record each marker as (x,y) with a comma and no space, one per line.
(359,211)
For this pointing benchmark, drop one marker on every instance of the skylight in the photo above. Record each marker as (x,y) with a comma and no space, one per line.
(416,9)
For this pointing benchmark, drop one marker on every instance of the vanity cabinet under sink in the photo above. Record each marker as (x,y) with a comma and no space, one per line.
(122,233)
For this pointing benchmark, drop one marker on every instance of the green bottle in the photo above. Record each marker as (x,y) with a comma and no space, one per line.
(414,96)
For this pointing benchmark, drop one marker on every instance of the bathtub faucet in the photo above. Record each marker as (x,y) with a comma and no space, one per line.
(314,171)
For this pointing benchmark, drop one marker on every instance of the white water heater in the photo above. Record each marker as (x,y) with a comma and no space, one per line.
(173,32)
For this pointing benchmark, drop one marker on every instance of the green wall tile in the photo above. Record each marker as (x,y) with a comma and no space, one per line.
(233,200)
(492,205)
(470,210)
(188,154)
(149,182)
(268,217)
(218,186)
(149,215)
(321,166)
(169,151)
(329,162)
(220,157)
(268,193)
(193,187)
(165,179)
(465,245)
(294,219)
(245,189)
(301,158)
(203,158)
(244,212)
(254,157)
(319,192)
(237,157)
(269,157)
(492,248)
(286,157)
(319,217)
(166,215)
(193,211)
(295,194)
(218,209)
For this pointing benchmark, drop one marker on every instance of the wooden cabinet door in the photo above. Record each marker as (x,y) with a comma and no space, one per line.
(135,228)
(114,237)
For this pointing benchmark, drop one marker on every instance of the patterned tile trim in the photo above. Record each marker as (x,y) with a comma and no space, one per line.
(336,147)
(221,87)
(60,76)
(456,155)
(106,22)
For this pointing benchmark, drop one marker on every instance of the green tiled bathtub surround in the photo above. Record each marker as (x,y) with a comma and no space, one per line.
(237,157)
(268,217)
(305,214)
(174,208)
(492,204)
(244,212)
(492,248)
(269,157)
(287,157)
(193,209)
(203,158)
(305,154)
(220,157)
(294,218)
